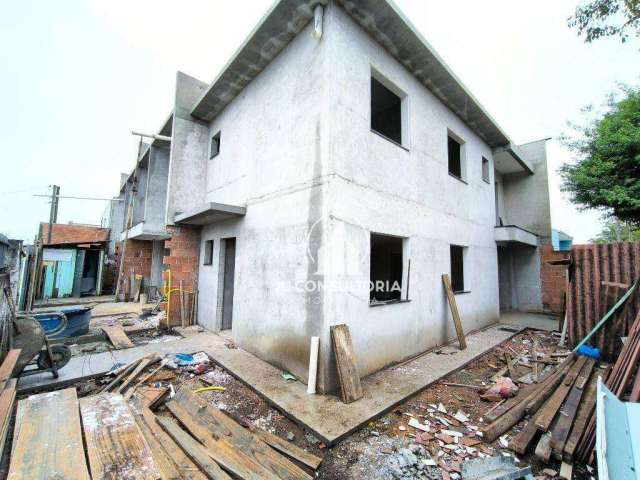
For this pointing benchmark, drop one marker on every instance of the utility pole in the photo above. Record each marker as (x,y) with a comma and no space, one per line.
(53,213)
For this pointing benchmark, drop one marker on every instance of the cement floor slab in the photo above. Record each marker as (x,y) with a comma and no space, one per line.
(540,321)
(325,415)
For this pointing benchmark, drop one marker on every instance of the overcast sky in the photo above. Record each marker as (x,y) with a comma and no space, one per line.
(76,76)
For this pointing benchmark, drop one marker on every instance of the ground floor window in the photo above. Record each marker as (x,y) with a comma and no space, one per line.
(457,268)
(386,268)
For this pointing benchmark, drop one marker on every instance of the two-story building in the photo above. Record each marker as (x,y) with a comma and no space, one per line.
(331,173)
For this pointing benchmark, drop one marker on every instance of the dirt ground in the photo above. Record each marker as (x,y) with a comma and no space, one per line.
(387,447)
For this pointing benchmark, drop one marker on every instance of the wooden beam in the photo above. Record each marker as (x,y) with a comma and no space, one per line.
(8,365)
(350,386)
(288,448)
(194,450)
(551,408)
(215,424)
(568,412)
(454,311)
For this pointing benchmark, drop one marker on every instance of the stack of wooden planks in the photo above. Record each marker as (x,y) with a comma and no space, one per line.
(623,378)
(558,407)
(104,436)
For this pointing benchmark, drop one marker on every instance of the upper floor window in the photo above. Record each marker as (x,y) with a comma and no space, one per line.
(215,146)
(208,253)
(456,156)
(485,170)
(388,110)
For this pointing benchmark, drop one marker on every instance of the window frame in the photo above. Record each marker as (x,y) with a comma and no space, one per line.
(217,137)
(463,264)
(207,257)
(463,156)
(486,178)
(404,108)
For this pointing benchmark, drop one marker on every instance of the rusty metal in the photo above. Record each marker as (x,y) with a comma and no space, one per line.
(588,298)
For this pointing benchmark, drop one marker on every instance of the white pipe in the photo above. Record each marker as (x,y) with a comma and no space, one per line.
(313,365)
(317,21)
(151,135)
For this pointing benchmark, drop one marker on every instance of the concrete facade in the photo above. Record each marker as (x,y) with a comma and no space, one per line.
(296,149)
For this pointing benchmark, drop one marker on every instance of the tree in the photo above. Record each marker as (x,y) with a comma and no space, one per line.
(606,175)
(617,231)
(606,18)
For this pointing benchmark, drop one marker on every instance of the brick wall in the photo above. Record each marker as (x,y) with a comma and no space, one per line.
(554,279)
(184,254)
(137,260)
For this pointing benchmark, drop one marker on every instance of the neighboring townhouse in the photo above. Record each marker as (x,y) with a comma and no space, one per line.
(337,151)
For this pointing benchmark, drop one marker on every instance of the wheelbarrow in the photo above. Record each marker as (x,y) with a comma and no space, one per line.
(31,338)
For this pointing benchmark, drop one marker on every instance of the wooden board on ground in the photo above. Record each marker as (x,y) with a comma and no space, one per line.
(585,412)
(48,442)
(150,397)
(193,449)
(288,448)
(8,365)
(569,410)
(117,337)
(188,470)
(550,409)
(115,446)
(7,398)
(454,311)
(350,386)
(147,360)
(209,425)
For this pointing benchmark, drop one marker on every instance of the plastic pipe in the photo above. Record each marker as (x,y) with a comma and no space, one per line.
(313,365)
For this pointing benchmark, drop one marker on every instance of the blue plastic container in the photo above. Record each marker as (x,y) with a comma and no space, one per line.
(78,319)
(589,351)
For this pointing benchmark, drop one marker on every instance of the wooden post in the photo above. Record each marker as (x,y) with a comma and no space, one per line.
(454,311)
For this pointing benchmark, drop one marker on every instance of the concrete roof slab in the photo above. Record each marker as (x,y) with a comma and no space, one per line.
(209,213)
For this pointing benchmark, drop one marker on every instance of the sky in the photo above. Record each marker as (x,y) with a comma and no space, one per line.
(76,76)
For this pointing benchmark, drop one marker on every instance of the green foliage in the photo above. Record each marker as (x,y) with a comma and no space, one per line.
(617,231)
(606,175)
(606,18)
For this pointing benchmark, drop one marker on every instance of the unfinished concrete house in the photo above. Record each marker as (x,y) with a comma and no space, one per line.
(331,173)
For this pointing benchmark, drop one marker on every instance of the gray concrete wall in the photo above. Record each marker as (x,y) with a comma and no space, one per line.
(157,257)
(141,195)
(116,222)
(519,278)
(377,186)
(273,150)
(526,197)
(156,190)
(187,165)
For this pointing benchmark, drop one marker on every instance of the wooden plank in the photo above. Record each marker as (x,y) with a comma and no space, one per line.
(229,457)
(115,446)
(193,449)
(168,469)
(585,411)
(7,398)
(543,421)
(188,470)
(350,386)
(117,337)
(144,379)
(151,397)
(288,448)
(8,365)
(550,385)
(219,425)
(543,449)
(48,444)
(509,418)
(568,412)
(454,311)
(124,372)
(144,363)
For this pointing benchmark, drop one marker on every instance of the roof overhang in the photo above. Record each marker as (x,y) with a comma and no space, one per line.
(508,160)
(274,32)
(385,23)
(513,234)
(209,213)
(139,232)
